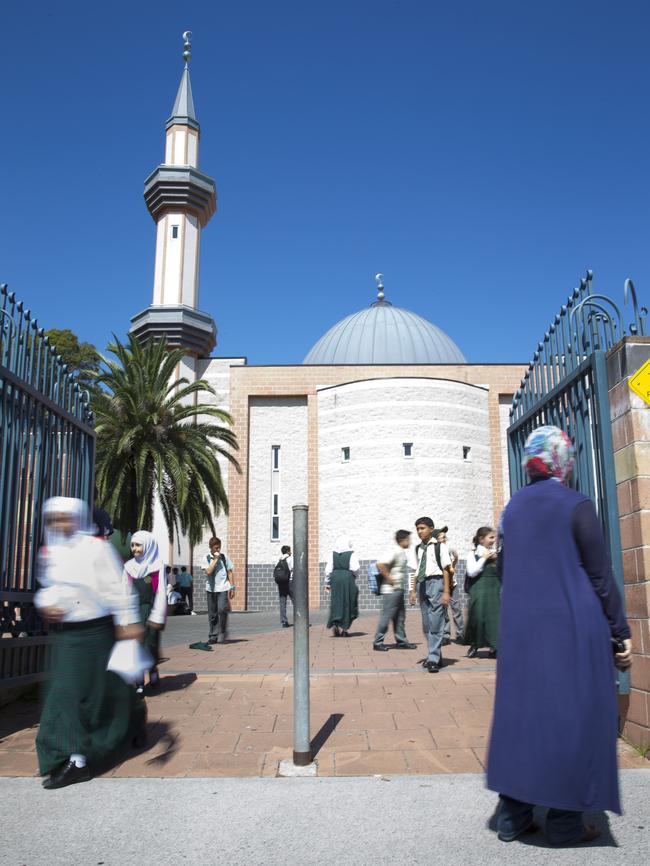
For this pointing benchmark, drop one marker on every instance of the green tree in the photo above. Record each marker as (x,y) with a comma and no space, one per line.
(81,358)
(153,439)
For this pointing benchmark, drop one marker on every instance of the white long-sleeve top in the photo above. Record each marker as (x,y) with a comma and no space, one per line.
(329,565)
(475,565)
(84,578)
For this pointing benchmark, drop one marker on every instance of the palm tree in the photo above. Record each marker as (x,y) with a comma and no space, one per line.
(155,440)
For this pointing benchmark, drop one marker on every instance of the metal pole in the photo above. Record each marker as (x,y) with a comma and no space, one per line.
(301,739)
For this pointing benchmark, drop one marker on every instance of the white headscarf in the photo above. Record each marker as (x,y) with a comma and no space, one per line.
(78,572)
(343,544)
(70,507)
(150,560)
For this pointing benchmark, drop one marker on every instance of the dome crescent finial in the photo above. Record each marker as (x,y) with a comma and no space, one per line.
(379,278)
(187,46)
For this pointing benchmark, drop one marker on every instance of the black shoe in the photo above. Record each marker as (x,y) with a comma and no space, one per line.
(405,646)
(336,631)
(69,774)
(446,641)
(472,652)
(433,668)
(154,677)
(380,647)
(492,654)
(527,831)
(212,640)
(285,625)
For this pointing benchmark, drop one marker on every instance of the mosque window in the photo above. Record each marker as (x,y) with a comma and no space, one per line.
(345,455)
(275,519)
(407,449)
(174,232)
(467,452)
(275,493)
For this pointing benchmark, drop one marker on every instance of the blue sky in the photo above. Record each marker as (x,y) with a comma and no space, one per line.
(480,155)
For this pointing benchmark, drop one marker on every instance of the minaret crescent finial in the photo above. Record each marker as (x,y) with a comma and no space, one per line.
(380,286)
(187,46)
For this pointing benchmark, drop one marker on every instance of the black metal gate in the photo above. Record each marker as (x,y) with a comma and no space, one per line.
(47,448)
(566,385)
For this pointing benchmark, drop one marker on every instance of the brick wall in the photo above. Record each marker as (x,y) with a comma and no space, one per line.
(631,439)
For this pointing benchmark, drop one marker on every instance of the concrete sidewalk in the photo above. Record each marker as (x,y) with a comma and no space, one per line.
(229,712)
(406,820)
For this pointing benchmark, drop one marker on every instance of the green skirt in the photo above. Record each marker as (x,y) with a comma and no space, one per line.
(482,629)
(344,599)
(151,637)
(88,710)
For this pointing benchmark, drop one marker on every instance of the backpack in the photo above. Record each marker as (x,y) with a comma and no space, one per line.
(374,579)
(282,572)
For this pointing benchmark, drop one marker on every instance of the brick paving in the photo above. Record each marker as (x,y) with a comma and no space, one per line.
(229,712)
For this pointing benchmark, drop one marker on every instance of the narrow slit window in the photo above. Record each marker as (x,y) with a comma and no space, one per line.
(275,493)
(275,518)
(467,452)
(407,449)
(345,455)
(174,232)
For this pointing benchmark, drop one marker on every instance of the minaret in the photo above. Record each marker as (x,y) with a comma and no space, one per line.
(181,199)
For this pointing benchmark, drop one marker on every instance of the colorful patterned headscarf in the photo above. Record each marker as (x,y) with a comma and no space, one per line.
(548,453)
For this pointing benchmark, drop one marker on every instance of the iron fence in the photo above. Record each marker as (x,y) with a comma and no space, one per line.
(566,385)
(47,447)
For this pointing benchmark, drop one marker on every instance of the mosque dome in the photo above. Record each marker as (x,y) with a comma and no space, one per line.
(384,334)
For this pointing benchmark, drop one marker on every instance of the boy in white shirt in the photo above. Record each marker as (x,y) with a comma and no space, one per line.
(219,590)
(394,582)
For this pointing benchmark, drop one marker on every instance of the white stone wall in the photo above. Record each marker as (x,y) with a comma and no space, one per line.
(505,401)
(275,421)
(379,490)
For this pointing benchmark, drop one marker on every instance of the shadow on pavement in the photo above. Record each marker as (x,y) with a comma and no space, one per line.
(173,683)
(18,716)
(325,732)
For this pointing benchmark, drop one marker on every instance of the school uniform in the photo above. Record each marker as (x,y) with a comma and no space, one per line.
(89,712)
(217,588)
(429,584)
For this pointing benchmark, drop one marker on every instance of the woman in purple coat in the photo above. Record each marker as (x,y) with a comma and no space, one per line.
(554,730)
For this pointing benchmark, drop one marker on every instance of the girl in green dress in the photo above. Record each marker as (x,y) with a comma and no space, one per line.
(146,574)
(340,573)
(484,594)
(89,712)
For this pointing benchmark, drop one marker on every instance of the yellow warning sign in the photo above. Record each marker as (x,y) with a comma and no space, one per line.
(640,382)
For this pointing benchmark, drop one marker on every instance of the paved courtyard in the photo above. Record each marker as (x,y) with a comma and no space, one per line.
(229,712)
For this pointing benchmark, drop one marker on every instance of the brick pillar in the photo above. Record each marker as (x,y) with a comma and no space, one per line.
(631,437)
(238,500)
